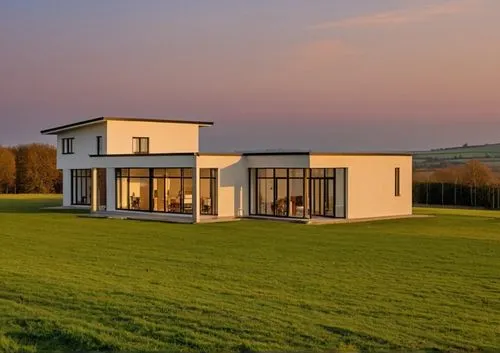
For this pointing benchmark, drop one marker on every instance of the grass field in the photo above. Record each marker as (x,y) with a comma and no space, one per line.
(71,284)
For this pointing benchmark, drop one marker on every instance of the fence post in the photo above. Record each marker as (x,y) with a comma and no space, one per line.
(455,193)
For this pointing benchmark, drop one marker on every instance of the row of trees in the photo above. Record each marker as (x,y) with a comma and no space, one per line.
(29,169)
(472,185)
(473,173)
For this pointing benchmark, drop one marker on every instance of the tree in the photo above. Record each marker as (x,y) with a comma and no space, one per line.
(452,175)
(36,169)
(477,174)
(7,170)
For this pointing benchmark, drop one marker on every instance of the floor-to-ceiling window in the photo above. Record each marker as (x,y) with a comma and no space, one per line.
(278,192)
(81,186)
(328,192)
(265,191)
(297,192)
(155,189)
(208,191)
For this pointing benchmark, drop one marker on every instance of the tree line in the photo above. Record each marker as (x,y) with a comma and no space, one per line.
(471,185)
(28,169)
(472,174)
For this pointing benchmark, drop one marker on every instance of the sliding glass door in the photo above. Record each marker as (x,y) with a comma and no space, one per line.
(168,190)
(297,192)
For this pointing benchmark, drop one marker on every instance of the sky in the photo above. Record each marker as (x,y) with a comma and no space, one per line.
(326,75)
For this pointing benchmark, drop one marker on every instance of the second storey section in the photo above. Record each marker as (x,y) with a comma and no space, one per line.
(77,142)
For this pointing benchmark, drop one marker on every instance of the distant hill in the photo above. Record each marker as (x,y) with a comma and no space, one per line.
(438,158)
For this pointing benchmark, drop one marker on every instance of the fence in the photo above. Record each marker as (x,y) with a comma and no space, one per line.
(447,194)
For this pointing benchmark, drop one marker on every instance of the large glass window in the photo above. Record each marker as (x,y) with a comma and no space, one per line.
(265,191)
(208,191)
(340,192)
(285,192)
(154,190)
(277,192)
(296,192)
(81,186)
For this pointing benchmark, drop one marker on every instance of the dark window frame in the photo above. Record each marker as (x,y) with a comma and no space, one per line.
(141,141)
(308,179)
(151,176)
(67,145)
(397,182)
(81,179)
(213,178)
(99,146)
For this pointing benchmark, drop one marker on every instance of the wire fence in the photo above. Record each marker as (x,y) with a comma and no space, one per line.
(458,195)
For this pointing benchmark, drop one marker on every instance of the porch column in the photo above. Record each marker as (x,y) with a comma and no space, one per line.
(196,191)
(93,207)
(110,190)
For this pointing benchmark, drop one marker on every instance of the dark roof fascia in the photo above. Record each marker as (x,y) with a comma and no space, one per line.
(73,125)
(158,120)
(276,153)
(143,155)
(374,154)
(102,119)
(222,154)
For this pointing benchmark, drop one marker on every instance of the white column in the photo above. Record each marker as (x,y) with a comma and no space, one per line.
(94,190)
(110,190)
(196,191)
(67,187)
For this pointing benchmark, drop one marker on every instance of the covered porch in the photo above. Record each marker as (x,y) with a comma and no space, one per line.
(186,195)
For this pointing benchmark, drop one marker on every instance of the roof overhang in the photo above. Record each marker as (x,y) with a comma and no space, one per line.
(83,123)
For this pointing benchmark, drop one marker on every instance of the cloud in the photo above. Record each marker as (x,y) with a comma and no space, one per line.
(402,17)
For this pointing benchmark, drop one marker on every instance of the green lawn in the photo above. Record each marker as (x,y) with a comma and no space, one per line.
(69,283)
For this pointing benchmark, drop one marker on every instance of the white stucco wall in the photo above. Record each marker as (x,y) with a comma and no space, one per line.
(232,179)
(84,144)
(163,137)
(144,161)
(371,183)
(66,187)
(278,161)
(110,189)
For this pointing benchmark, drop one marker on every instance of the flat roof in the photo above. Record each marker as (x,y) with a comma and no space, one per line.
(312,153)
(78,124)
(302,153)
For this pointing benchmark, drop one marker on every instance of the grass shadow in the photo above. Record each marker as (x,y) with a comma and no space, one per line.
(50,336)
(34,204)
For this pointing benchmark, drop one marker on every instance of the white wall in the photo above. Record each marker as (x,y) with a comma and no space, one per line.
(66,187)
(163,137)
(144,161)
(84,144)
(110,189)
(371,183)
(278,161)
(232,179)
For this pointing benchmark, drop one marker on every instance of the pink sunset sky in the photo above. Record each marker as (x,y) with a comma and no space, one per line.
(322,75)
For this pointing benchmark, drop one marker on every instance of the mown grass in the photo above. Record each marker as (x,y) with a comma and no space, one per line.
(73,284)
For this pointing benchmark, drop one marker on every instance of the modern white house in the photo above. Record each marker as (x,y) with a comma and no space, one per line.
(128,166)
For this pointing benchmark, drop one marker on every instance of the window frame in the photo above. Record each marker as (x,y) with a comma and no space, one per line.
(397,182)
(213,186)
(99,146)
(125,174)
(81,179)
(307,176)
(140,142)
(67,145)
